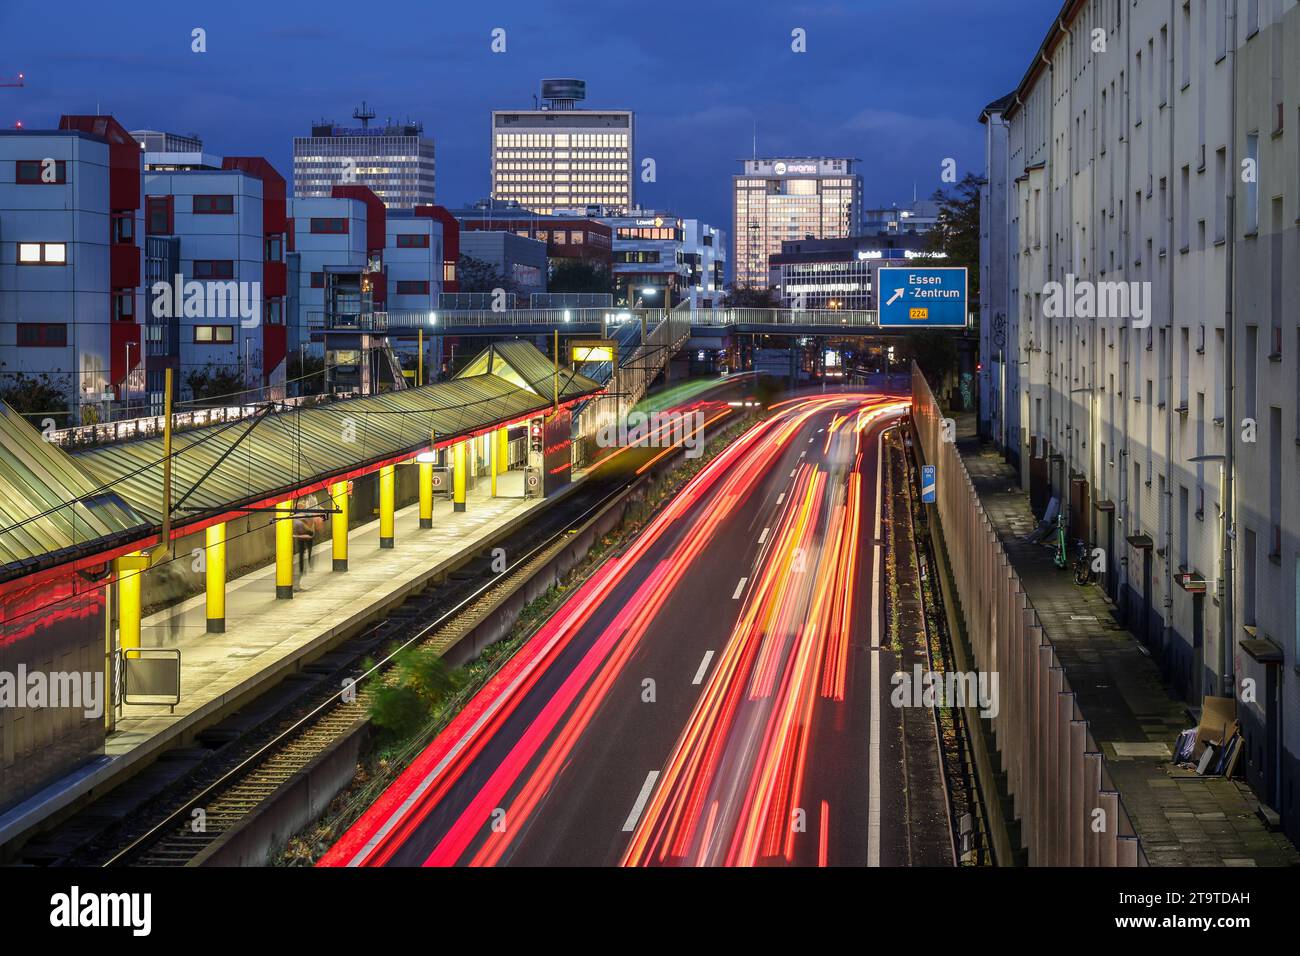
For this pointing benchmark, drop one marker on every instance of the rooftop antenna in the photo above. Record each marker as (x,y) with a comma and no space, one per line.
(363,113)
(15,82)
(755,146)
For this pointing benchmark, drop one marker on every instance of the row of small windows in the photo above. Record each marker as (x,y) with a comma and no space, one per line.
(507,154)
(562,140)
(561,177)
(565,165)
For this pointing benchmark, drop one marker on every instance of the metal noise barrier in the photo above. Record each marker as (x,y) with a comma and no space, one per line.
(1068,808)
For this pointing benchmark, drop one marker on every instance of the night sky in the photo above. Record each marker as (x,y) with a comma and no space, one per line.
(897,84)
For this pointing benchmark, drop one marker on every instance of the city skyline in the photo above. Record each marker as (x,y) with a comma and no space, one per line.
(696,115)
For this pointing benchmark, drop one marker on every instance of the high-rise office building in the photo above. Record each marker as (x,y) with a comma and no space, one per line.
(780,200)
(394,160)
(559,156)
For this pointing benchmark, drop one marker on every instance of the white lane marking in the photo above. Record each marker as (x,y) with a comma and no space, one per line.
(811,440)
(704,667)
(763,537)
(802,454)
(630,823)
(792,472)
(739,587)
(780,498)
(873,749)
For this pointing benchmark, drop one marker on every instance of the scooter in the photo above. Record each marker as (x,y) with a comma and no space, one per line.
(1059,558)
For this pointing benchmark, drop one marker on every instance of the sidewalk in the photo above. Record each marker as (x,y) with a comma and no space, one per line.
(265,638)
(1181,819)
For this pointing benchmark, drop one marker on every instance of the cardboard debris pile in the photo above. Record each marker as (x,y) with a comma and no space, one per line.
(1213,747)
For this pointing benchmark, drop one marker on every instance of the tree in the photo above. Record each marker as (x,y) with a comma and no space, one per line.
(478,275)
(36,397)
(957,233)
(748,297)
(307,375)
(215,383)
(935,353)
(579,275)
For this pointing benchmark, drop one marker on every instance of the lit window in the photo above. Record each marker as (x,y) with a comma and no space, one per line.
(42,253)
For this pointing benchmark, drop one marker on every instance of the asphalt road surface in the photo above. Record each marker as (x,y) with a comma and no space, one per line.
(709,697)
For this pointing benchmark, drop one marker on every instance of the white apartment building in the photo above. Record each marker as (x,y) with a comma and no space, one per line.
(1167,424)
(413,257)
(70,261)
(217,215)
(705,255)
(357,258)
(781,200)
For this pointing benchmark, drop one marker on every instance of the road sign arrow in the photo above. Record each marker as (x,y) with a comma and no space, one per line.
(898,294)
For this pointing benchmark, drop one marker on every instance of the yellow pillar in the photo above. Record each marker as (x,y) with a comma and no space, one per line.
(339,524)
(284,550)
(215,540)
(130,567)
(426,494)
(458,476)
(494,453)
(503,450)
(387,499)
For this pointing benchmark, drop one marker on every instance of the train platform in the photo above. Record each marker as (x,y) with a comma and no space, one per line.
(1181,818)
(266,639)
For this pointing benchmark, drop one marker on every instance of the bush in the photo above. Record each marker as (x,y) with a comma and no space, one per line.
(397,710)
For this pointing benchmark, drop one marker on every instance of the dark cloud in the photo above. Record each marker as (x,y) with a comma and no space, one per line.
(896,84)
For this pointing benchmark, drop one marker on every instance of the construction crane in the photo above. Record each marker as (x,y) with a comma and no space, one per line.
(17,82)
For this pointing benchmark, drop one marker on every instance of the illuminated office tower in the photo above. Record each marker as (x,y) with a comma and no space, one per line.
(558,156)
(781,200)
(394,160)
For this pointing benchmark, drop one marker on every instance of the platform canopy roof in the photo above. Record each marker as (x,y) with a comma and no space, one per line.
(116,490)
(51,510)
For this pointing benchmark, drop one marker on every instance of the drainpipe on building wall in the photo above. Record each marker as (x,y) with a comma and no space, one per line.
(1167,505)
(1024,372)
(1228,532)
(1048,174)
(1070,225)
(1126,400)
(1094,400)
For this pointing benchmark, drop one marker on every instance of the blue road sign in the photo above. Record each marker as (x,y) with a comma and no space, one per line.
(927,484)
(922,297)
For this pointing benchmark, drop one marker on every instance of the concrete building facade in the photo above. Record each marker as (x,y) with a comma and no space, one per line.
(395,161)
(1141,235)
(71,262)
(559,156)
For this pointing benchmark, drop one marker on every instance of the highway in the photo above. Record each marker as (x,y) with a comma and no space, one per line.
(713,696)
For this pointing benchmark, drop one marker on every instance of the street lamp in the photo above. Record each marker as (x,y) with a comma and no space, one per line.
(126,379)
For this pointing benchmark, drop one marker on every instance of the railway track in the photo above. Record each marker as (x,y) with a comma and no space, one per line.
(171,818)
(276,740)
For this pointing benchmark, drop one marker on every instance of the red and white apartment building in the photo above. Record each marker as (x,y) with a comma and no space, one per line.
(223,306)
(123,255)
(70,259)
